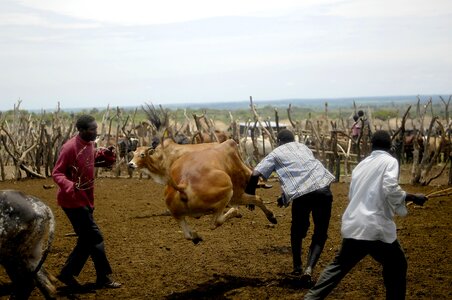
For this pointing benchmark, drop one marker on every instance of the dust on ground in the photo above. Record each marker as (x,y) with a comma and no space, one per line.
(246,258)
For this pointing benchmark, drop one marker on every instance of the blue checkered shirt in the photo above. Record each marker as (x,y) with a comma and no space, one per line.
(298,170)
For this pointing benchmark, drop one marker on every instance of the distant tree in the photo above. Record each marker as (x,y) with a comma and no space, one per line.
(385,114)
(93,111)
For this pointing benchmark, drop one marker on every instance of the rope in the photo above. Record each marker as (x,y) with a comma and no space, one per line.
(444,192)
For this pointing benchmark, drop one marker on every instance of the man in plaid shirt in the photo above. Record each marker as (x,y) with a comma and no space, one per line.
(305,183)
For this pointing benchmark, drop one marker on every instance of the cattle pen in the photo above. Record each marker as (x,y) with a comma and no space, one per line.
(247,257)
(30,142)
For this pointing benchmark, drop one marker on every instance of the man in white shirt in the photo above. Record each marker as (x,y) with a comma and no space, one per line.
(368,226)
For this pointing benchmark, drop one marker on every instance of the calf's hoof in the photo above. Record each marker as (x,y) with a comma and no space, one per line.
(196,239)
(272,219)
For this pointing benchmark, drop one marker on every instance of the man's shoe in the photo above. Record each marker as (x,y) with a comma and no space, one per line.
(107,284)
(306,278)
(69,281)
(296,271)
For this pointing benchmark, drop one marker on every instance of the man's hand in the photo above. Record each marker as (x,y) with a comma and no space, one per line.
(280,201)
(105,157)
(250,206)
(418,199)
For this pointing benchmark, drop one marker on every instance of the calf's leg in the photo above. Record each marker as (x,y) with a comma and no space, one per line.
(189,234)
(219,218)
(257,201)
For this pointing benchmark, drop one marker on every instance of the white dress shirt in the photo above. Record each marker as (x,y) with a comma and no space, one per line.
(375,197)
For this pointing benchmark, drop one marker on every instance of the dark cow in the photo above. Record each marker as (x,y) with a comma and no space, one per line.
(200,179)
(123,145)
(126,148)
(411,137)
(127,145)
(179,138)
(27,228)
(123,148)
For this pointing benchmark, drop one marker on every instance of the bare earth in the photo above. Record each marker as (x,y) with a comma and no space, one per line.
(246,258)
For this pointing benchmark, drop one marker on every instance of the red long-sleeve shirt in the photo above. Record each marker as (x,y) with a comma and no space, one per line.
(74,173)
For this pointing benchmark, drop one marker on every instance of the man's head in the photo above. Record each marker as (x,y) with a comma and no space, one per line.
(87,127)
(285,136)
(355,118)
(360,113)
(381,140)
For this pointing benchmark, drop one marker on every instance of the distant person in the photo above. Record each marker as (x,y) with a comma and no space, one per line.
(361,114)
(74,174)
(368,226)
(366,127)
(305,183)
(356,127)
(356,131)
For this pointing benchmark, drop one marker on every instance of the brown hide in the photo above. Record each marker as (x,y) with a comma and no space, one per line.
(408,145)
(444,149)
(200,179)
(221,136)
(206,178)
(433,144)
(157,162)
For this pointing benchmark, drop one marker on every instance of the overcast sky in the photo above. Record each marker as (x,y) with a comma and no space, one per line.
(90,53)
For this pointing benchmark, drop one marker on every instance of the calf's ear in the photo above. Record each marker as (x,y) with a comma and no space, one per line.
(150,151)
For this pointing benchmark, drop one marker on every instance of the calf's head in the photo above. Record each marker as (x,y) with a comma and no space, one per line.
(150,161)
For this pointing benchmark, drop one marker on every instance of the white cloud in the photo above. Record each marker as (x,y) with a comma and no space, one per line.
(145,12)
(391,8)
(35,19)
(268,49)
(21,19)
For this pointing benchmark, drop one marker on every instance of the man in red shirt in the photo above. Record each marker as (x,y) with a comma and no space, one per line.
(74,174)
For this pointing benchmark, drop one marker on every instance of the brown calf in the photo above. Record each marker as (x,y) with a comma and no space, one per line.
(200,179)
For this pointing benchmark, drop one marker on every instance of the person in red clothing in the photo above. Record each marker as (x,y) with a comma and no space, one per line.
(74,175)
(356,127)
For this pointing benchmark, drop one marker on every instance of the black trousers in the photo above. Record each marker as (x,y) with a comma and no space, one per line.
(90,243)
(391,256)
(318,203)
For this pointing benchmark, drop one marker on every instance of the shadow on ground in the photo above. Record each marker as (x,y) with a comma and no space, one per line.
(220,285)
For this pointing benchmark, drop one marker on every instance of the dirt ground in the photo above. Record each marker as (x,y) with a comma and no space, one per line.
(246,258)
